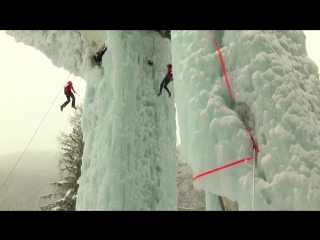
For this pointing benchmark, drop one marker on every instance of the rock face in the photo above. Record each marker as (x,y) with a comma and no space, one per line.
(230,205)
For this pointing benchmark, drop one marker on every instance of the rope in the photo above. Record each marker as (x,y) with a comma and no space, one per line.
(224,70)
(152,45)
(229,89)
(62,131)
(255,146)
(253,167)
(34,133)
(222,168)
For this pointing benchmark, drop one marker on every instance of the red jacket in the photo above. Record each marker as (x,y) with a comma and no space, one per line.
(68,88)
(169,73)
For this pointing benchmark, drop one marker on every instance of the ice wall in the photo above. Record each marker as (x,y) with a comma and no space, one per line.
(129,133)
(276,89)
(65,48)
(129,158)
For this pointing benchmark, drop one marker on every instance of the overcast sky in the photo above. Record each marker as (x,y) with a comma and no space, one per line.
(30,83)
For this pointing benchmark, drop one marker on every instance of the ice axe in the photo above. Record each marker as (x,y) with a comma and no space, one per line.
(77,94)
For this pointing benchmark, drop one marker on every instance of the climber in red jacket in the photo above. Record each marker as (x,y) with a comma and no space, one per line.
(166,80)
(68,93)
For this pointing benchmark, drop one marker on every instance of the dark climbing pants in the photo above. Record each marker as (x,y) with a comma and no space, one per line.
(164,84)
(97,59)
(68,95)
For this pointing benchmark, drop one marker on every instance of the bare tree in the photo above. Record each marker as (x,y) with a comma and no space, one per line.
(188,198)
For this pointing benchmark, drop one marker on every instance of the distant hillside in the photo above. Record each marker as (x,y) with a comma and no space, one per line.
(29,180)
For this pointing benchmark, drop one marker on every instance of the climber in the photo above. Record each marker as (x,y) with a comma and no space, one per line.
(68,93)
(166,80)
(98,58)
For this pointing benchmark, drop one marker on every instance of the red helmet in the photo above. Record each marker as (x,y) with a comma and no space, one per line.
(169,65)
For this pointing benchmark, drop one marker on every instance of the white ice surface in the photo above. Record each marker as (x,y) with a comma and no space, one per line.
(276,88)
(270,75)
(65,48)
(129,158)
(129,133)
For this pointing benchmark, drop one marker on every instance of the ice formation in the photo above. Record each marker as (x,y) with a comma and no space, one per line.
(64,48)
(129,158)
(129,133)
(276,90)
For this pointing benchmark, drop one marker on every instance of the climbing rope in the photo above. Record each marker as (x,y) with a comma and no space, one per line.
(152,46)
(34,133)
(229,89)
(224,70)
(222,168)
(62,131)
(255,146)
(253,175)
(251,137)
(150,62)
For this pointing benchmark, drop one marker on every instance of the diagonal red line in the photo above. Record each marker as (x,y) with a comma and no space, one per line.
(229,89)
(221,168)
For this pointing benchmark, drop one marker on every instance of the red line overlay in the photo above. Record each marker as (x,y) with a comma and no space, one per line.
(253,142)
(229,90)
(224,70)
(222,168)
